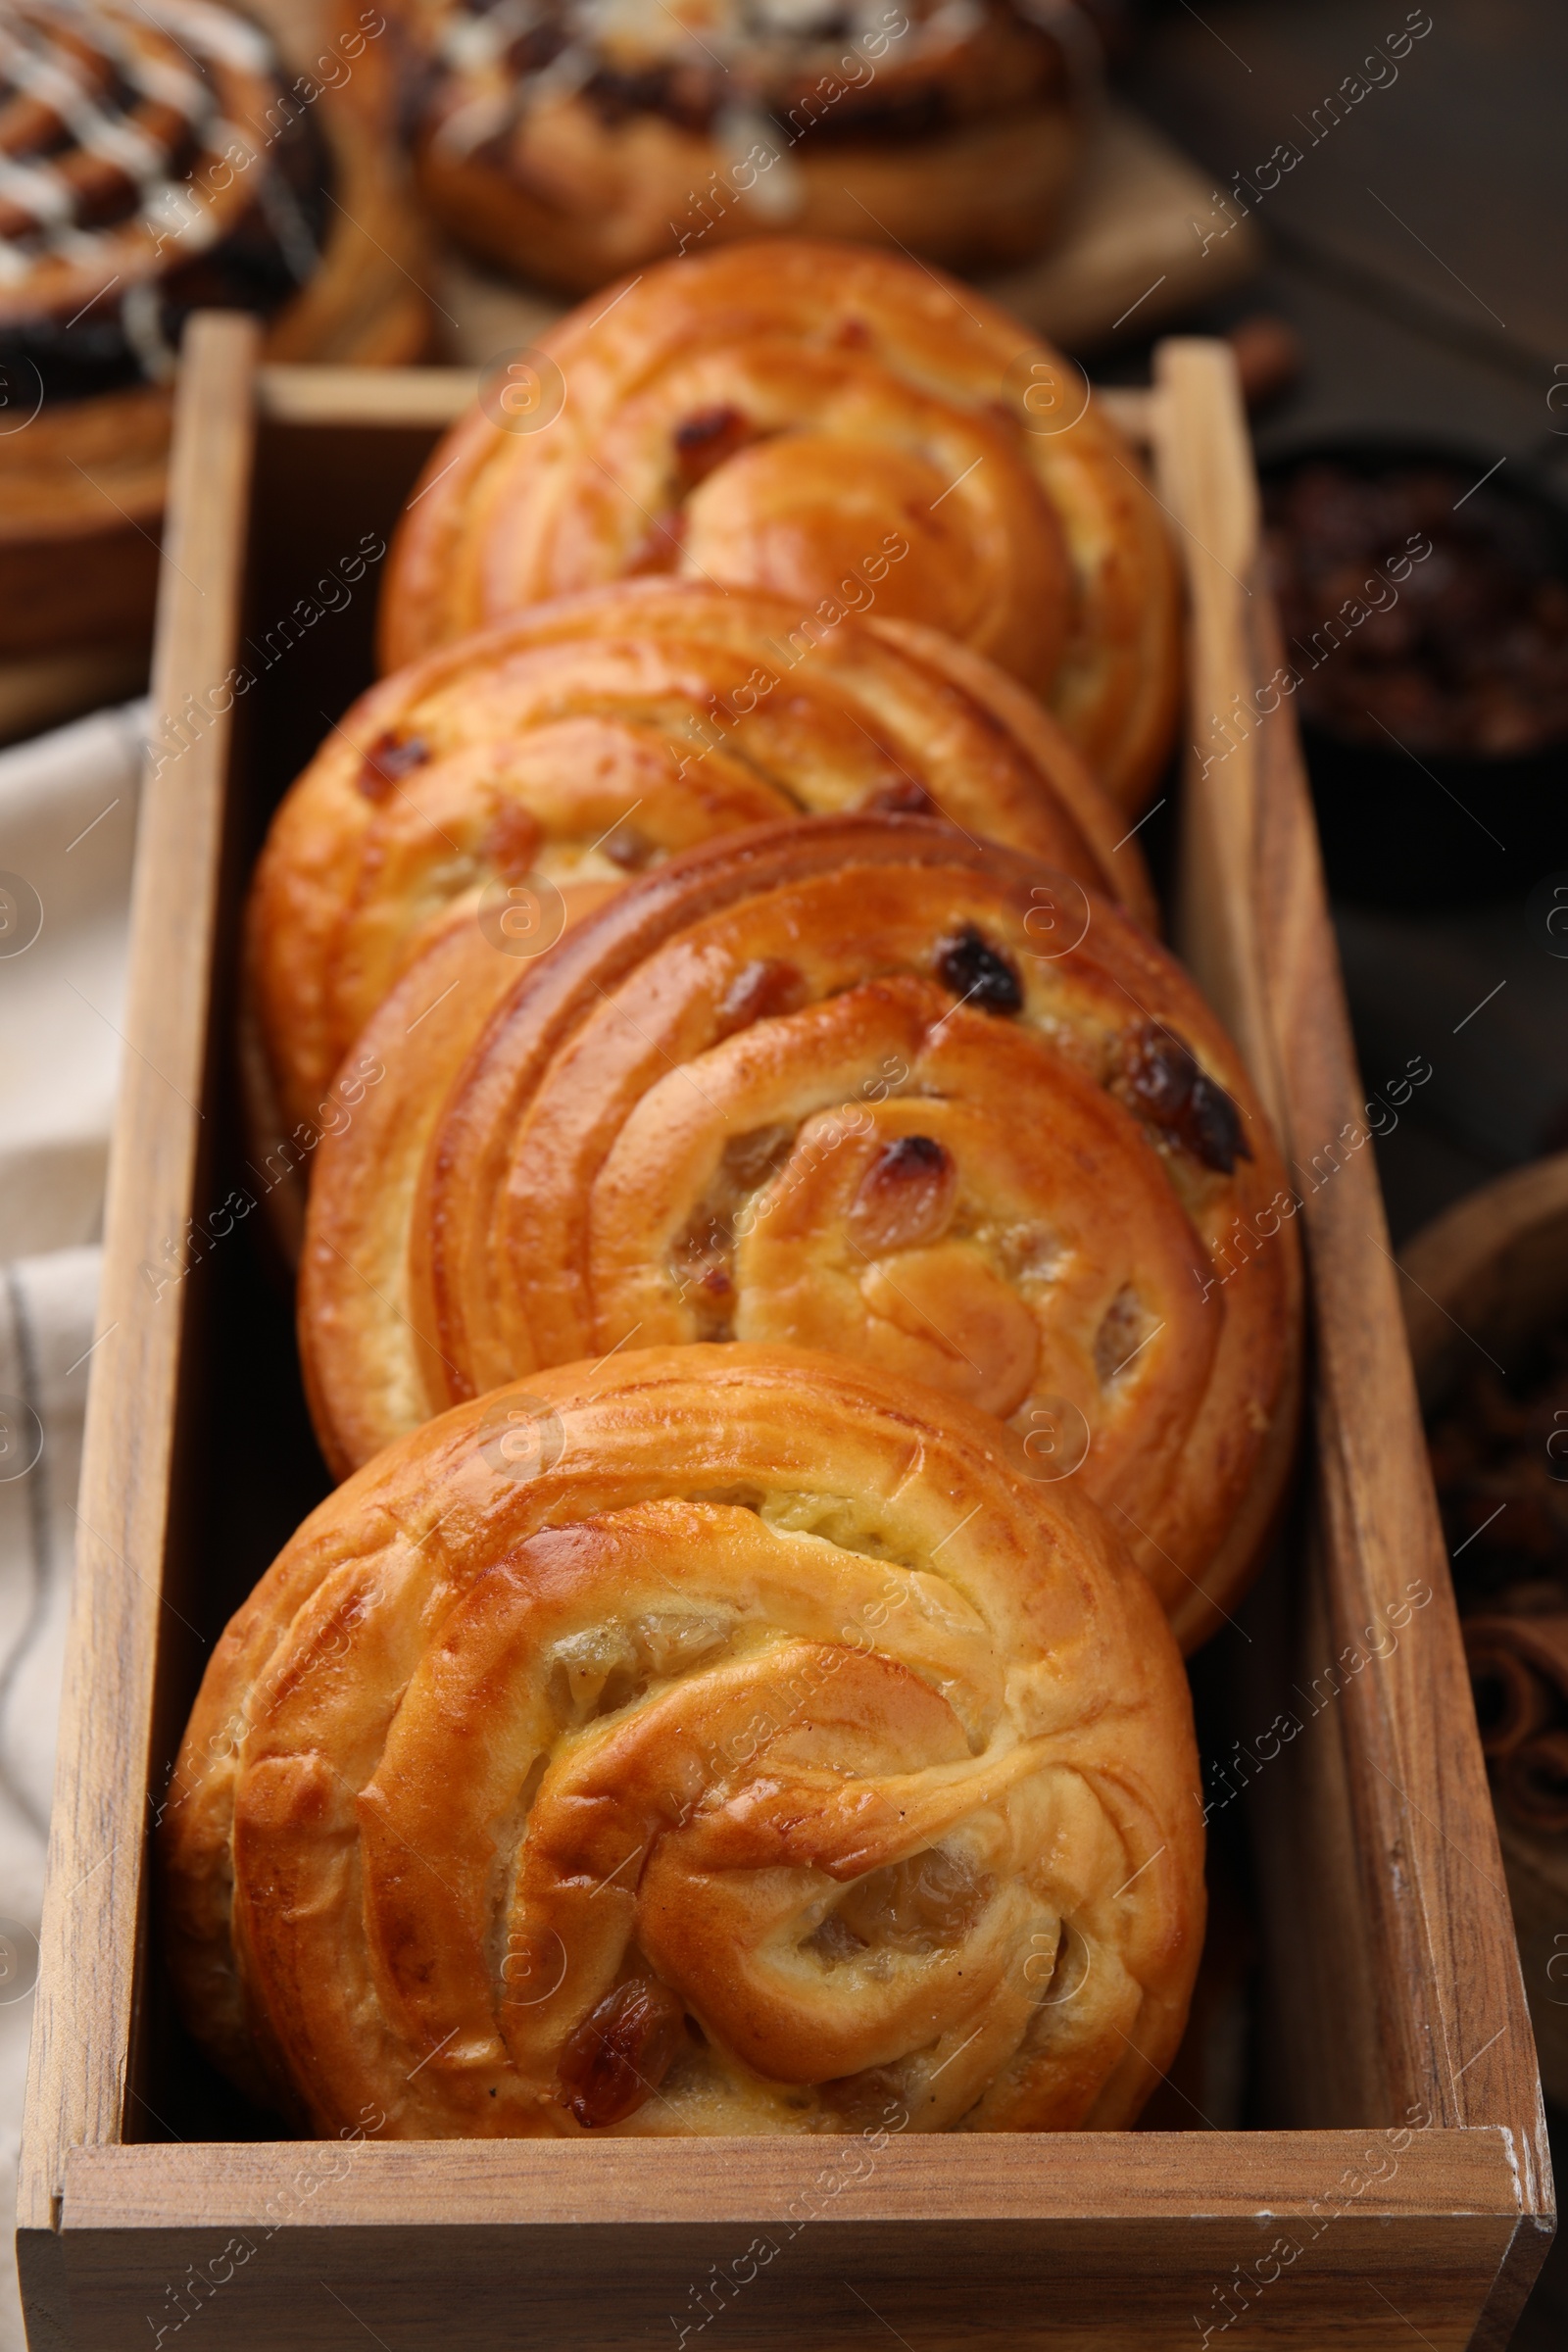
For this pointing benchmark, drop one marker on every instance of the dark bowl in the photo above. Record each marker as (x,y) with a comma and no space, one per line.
(1437,830)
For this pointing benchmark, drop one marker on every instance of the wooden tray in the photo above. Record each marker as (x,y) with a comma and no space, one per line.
(1401,2182)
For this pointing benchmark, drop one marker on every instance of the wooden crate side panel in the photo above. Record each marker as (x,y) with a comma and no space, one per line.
(1208,489)
(972,2178)
(1253,924)
(362,398)
(1430,1870)
(1069,2286)
(1322,2058)
(1326,1949)
(83,2014)
(1108,2243)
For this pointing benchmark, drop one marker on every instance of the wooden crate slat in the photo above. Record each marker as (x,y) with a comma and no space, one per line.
(1111,2243)
(82,2019)
(1024,2178)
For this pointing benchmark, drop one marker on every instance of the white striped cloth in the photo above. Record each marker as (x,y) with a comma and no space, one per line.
(68,809)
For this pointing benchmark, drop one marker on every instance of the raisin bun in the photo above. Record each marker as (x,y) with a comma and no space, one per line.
(817,420)
(579,138)
(717,1740)
(859,1085)
(523,775)
(159,157)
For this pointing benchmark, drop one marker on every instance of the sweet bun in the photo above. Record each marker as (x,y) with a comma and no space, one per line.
(816,419)
(719,1740)
(528,772)
(580,142)
(861,1084)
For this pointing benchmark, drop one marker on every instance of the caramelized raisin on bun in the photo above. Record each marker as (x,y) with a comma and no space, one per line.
(859,1085)
(714,1740)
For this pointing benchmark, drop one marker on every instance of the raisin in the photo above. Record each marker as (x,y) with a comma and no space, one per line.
(835,1941)
(905,798)
(658,549)
(929,1900)
(979,974)
(620,2053)
(862,2101)
(512,841)
(750,1160)
(707,440)
(1168,1088)
(759,991)
(389,758)
(904,1199)
(1212,1130)
(629,849)
(1122,1328)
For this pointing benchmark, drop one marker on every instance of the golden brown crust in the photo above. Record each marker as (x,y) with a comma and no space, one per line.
(862,1085)
(364,305)
(951,134)
(600,199)
(848,414)
(592,737)
(733,1685)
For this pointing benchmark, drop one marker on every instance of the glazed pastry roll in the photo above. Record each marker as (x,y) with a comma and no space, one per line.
(574,142)
(859,1085)
(527,773)
(153,165)
(817,418)
(714,1740)
(157,157)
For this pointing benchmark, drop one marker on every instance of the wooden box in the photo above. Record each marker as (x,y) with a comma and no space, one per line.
(1394,2187)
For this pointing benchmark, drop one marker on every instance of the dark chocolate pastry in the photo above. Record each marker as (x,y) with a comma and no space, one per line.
(157,157)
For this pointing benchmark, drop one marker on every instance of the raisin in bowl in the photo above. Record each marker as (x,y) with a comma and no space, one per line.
(1423,596)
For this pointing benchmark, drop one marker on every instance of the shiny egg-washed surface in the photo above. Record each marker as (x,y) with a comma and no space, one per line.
(574,140)
(778,415)
(586,740)
(716,1740)
(859,1085)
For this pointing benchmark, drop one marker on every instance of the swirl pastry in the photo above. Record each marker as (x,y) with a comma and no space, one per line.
(577,140)
(156,158)
(859,1085)
(799,417)
(587,740)
(717,1740)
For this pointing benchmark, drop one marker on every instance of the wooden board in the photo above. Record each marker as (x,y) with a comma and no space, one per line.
(1405,2158)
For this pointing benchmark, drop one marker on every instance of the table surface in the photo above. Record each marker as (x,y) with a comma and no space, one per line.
(1417,247)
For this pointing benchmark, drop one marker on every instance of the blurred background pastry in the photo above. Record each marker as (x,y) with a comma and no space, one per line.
(161,159)
(794,416)
(572,140)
